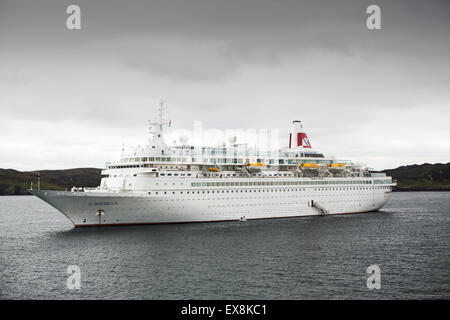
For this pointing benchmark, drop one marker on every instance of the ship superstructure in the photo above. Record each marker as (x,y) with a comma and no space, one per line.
(175,184)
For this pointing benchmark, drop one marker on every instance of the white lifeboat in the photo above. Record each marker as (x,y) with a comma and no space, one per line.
(256,166)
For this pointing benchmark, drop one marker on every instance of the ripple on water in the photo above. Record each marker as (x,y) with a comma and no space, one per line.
(301,258)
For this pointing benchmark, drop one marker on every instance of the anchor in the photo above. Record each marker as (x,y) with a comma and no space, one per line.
(100,213)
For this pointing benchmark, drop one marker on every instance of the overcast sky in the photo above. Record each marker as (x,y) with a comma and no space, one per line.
(71,98)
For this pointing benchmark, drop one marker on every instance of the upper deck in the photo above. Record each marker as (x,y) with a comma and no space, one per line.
(298,159)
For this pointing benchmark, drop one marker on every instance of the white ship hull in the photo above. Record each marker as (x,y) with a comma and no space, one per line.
(86,209)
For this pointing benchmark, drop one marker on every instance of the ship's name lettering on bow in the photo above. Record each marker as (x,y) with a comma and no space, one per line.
(112,203)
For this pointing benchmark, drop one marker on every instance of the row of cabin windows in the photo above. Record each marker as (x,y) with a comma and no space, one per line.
(268,190)
(226,160)
(274,183)
(216,175)
(220,175)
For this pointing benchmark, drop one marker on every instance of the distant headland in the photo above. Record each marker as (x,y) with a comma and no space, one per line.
(13,182)
(423,177)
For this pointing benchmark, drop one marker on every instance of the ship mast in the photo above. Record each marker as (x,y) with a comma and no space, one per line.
(156,128)
(161,112)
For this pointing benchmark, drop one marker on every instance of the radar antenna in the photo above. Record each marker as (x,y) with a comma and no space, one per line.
(161,115)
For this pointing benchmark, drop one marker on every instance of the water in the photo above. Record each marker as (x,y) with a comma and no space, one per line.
(297,258)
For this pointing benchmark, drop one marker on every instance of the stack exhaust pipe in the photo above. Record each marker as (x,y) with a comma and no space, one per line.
(298,137)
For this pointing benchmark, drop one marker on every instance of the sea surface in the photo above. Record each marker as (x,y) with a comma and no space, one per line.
(296,258)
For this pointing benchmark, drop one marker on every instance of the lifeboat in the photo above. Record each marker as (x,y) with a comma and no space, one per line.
(311,166)
(212,169)
(256,166)
(336,167)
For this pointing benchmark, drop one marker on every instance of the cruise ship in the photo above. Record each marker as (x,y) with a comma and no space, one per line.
(183,183)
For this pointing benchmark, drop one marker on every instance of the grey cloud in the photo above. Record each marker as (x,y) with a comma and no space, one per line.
(232,64)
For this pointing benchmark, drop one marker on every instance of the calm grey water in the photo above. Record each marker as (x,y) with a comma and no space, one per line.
(297,258)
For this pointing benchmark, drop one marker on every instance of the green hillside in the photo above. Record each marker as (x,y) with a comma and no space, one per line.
(424,177)
(13,182)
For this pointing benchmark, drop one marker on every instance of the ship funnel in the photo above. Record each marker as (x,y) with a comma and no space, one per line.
(298,137)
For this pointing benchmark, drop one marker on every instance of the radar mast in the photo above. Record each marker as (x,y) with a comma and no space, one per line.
(156,139)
